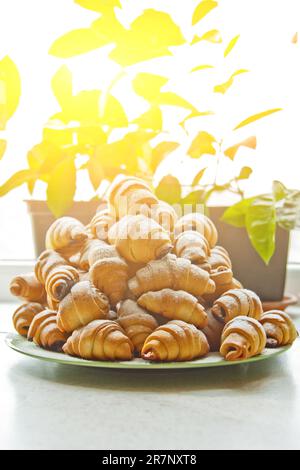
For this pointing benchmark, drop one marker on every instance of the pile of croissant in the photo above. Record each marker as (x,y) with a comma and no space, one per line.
(139,281)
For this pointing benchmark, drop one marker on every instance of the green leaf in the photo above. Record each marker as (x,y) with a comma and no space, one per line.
(202,145)
(245,173)
(223,87)
(62,86)
(19,178)
(151,119)
(148,85)
(61,187)
(231,45)
(10,90)
(261,226)
(160,152)
(255,117)
(236,215)
(150,36)
(96,173)
(3,145)
(213,36)
(198,176)
(100,6)
(250,142)
(76,42)
(169,190)
(279,190)
(202,67)
(202,10)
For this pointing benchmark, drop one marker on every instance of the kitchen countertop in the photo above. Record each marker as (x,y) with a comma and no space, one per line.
(51,406)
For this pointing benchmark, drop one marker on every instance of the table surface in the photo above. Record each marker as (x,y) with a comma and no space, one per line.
(51,406)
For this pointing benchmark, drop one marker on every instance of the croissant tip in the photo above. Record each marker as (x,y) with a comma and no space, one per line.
(15,288)
(149,356)
(164,250)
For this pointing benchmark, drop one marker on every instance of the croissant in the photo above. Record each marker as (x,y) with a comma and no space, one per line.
(213,332)
(101,223)
(56,274)
(175,341)
(242,337)
(237,302)
(89,245)
(127,194)
(199,223)
(224,280)
(108,272)
(83,304)
(27,287)
(100,340)
(139,239)
(24,315)
(174,273)
(193,246)
(45,333)
(66,235)
(175,305)
(279,328)
(219,257)
(162,213)
(136,322)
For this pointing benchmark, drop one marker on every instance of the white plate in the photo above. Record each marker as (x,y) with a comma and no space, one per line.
(20,344)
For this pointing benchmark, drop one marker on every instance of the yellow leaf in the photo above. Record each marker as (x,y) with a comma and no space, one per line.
(19,178)
(90,135)
(223,87)
(44,156)
(231,45)
(172,99)
(198,177)
(160,152)
(255,117)
(213,36)
(109,28)
(151,119)
(78,41)
(10,90)
(203,9)
(114,114)
(148,85)
(3,145)
(195,114)
(245,173)
(202,67)
(101,6)
(202,144)
(295,38)
(250,142)
(95,171)
(61,187)
(62,86)
(150,36)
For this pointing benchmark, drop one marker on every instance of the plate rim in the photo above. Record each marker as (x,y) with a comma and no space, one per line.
(12,338)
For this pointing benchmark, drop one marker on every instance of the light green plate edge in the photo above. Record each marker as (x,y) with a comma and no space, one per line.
(21,345)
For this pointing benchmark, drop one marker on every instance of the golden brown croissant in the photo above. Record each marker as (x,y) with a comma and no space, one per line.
(136,322)
(101,223)
(236,302)
(128,194)
(162,213)
(175,305)
(213,332)
(279,328)
(100,340)
(175,341)
(108,272)
(219,257)
(224,280)
(192,245)
(199,223)
(45,333)
(242,337)
(56,274)
(83,304)
(90,244)
(139,239)
(174,273)
(66,235)
(24,315)
(27,287)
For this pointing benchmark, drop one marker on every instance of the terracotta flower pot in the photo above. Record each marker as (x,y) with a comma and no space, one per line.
(42,218)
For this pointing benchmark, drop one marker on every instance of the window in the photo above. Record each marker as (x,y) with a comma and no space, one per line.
(265,48)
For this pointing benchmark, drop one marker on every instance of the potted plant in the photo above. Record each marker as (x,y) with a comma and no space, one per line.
(92,132)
